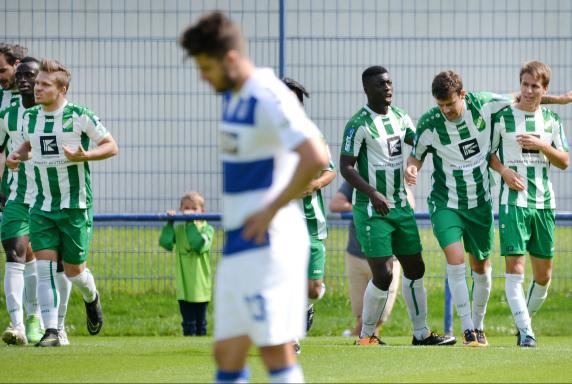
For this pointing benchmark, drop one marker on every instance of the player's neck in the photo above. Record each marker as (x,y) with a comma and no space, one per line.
(245,70)
(52,107)
(28,100)
(381,109)
(527,107)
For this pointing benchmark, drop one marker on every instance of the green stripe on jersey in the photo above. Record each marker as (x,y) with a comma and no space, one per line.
(49,125)
(529,123)
(461,187)
(397,186)
(463,130)
(387,125)
(531,187)
(380,184)
(510,126)
(40,192)
(32,122)
(54,184)
(13,115)
(439,180)
(22,185)
(371,125)
(479,181)
(512,194)
(73,176)
(441,130)
(67,120)
(546,188)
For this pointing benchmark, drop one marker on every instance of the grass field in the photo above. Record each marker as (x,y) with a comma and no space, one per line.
(324,359)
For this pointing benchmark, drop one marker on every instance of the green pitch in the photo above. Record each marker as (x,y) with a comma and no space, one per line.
(324,359)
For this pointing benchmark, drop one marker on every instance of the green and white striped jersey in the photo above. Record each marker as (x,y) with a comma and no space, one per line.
(531,164)
(60,182)
(19,185)
(6,97)
(315,211)
(378,143)
(460,151)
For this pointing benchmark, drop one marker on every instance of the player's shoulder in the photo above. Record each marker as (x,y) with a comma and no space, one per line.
(481,98)
(359,118)
(80,111)
(430,119)
(549,113)
(32,111)
(399,112)
(4,111)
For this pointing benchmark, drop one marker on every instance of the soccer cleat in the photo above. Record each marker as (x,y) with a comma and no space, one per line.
(297,348)
(526,342)
(50,339)
(94,314)
(309,317)
(435,339)
(34,330)
(369,340)
(470,338)
(14,336)
(481,338)
(63,336)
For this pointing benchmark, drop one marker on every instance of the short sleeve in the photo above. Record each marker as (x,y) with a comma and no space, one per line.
(409,129)
(423,140)
(492,102)
(353,138)
(91,125)
(558,137)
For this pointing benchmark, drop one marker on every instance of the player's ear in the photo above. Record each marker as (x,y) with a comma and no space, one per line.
(462,94)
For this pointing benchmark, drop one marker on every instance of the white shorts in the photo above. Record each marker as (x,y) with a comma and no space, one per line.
(262,293)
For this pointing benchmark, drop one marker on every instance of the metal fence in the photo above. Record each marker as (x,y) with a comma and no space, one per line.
(127,67)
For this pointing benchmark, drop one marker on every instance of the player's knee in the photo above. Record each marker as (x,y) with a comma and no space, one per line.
(382,278)
(14,253)
(315,288)
(543,279)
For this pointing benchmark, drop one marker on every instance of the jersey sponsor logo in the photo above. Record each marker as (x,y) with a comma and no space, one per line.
(394,146)
(229,142)
(49,145)
(532,150)
(469,148)
(348,145)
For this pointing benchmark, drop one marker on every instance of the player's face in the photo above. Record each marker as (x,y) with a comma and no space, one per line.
(379,89)
(453,106)
(214,71)
(531,89)
(189,206)
(6,73)
(26,77)
(46,89)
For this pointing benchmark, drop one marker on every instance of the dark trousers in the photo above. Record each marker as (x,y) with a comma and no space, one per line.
(194,318)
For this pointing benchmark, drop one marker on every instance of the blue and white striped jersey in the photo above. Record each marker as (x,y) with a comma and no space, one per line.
(261,126)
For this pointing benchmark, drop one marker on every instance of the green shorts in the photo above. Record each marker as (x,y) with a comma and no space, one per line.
(15,220)
(317,259)
(475,226)
(383,236)
(526,229)
(67,231)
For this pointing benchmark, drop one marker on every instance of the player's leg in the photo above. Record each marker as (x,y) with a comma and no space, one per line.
(33,321)
(514,228)
(359,274)
(478,238)
(392,293)
(75,226)
(45,239)
(281,364)
(14,290)
(316,286)
(64,287)
(448,229)
(541,248)
(230,358)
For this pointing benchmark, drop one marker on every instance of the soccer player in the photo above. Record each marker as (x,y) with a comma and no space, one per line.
(10,56)
(385,223)
(58,134)
(315,215)
(270,152)
(527,139)
(20,279)
(457,133)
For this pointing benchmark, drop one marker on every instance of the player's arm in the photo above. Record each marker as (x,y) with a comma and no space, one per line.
(413,167)
(313,158)
(348,171)
(325,178)
(565,98)
(556,157)
(106,148)
(19,155)
(510,177)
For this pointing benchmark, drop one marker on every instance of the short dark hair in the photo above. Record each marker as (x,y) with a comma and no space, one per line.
(372,71)
(297,88)
(13,52)
(30,59)
(214,34)
(445,84)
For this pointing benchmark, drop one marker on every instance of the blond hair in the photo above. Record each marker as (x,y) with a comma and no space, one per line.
(63,75)
(538,70)
(194,197)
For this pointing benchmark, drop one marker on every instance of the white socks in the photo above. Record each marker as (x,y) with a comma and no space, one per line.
(517,304)
(374,302)
(31,289)
(536,295)
(48,297)
(64,287)
(86,285)
(14,290)
(481,292)
(460,294)
(291,374)
(415,297)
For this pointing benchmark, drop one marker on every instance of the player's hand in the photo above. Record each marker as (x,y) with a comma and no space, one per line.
(77,156)
(310,188)
(513,179)
(256,226)
(411,175)
(530,142)
(13,160)
(379,203)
